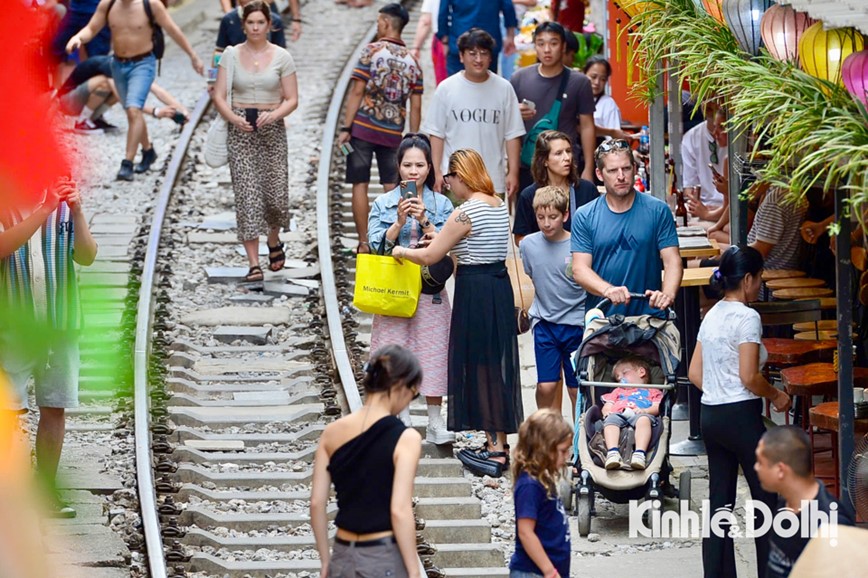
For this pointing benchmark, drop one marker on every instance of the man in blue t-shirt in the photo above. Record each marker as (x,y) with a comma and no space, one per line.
(621,241)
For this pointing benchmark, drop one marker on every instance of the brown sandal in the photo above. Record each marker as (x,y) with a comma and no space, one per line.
(255,275)
(276,256)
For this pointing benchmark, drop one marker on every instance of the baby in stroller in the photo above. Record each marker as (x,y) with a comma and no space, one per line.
(630,407)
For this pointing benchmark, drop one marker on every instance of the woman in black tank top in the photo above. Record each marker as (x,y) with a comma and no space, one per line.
(371,457)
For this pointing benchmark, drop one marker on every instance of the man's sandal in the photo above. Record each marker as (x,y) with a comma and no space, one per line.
(254,275)
(276,257)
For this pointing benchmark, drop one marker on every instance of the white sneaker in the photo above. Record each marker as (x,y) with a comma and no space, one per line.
(437,433)
(613,460)
(637,462)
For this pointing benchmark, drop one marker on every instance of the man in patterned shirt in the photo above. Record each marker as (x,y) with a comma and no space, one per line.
(40,316)
(385,77)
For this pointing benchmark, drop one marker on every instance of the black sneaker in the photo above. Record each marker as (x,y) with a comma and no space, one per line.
(148,158)
(87,126)
(126,172)
(104,125)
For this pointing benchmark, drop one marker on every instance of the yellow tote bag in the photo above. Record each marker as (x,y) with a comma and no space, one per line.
(386,287)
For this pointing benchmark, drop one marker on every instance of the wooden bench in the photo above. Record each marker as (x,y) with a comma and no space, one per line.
(788,352)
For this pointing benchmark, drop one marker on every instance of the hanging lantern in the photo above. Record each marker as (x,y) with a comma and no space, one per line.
(822,52)
(743,18)
(855,75)
(781,28)
(714,9)
(633,7)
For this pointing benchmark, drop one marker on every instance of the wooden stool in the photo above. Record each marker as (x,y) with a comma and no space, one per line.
(825,416)
(802,293)
(771,274)
(815,335)
(826,303)
(822,325)
(794,283)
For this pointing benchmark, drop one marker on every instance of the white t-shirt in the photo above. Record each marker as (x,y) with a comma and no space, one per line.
(607,114)
(432,7)
(477,115)
(726,326)
(696,154)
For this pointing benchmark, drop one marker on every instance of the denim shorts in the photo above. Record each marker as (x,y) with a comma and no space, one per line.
(133,80)
(629,420)
(553,344)
(359,162)
(54,370)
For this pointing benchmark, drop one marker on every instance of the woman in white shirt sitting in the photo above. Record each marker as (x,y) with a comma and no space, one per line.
(727,367)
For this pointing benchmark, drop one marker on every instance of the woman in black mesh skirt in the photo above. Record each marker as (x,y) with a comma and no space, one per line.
(484,389)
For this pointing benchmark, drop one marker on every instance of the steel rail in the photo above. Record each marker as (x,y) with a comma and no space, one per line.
(324,246)
(144,321)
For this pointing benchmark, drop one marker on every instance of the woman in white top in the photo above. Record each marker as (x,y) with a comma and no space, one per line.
(727,368)
(607,115)
(264,91)
(483,376)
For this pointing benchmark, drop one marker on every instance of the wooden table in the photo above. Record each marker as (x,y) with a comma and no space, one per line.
(688,324)
(825,416)
(816,379)
(794,283)
(700,252)
(785,352)
(802,293)
(772,274)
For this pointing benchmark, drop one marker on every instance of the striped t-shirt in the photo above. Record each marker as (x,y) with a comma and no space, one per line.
(489,237)
(38,280)
(777,222)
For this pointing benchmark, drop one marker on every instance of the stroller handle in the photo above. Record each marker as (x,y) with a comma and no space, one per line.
(612,384)
(605,302)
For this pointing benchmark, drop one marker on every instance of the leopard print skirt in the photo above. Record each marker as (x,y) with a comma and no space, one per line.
(260,178)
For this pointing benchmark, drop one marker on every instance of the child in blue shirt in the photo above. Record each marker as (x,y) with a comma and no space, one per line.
(558,308)
(542,545)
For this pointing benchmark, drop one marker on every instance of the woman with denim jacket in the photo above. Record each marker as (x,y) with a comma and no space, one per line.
(395,221)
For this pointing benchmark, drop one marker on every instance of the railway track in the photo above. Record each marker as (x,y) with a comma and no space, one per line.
(234,385)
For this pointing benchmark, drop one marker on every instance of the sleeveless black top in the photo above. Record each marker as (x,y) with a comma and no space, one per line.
(363,471)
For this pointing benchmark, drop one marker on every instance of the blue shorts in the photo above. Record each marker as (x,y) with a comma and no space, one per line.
(553,345)
(133,80)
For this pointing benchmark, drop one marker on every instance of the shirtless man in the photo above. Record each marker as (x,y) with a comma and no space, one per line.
(134,65)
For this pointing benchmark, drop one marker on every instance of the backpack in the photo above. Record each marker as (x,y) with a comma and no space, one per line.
(157,36)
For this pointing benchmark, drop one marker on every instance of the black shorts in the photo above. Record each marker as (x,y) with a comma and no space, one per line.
(359,162)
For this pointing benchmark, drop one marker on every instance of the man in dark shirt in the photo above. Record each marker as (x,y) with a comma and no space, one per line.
(783,464)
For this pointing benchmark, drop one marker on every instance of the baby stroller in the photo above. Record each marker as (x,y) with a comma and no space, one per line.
(605,342)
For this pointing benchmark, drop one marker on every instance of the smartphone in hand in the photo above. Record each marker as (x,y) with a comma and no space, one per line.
(408,190)
(714,171)
(251,114)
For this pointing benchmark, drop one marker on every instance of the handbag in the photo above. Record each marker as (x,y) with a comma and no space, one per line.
(216,153)
(548,122)
(522,318)
(386,287)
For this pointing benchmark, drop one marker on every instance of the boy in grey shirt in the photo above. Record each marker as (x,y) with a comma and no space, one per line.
(558,307)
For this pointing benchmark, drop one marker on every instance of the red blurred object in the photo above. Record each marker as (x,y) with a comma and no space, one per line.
(31,156)
(570,13)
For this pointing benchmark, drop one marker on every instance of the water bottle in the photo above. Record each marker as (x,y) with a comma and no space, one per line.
(644,141)
(643,176)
